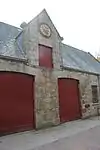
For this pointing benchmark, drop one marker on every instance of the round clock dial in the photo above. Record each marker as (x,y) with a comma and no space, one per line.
(45,30)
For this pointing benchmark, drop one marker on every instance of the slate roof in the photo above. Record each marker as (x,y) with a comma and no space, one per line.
(10,42)
(11,47)
(79,60)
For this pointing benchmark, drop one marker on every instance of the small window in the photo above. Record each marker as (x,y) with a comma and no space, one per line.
(94,94)
(45,56)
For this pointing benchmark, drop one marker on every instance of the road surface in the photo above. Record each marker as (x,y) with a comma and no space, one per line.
(75,135)
(86,140)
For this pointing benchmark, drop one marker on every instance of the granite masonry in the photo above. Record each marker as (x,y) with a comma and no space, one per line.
(46,97)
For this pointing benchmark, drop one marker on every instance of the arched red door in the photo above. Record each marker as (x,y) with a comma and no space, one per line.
(16,102)
(69,103)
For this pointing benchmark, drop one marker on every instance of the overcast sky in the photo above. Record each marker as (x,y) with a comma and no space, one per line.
(78,21)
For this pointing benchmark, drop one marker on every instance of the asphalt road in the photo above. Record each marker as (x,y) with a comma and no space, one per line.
(75,135)
(86,140)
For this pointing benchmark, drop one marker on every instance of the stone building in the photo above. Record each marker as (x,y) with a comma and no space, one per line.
(44,82)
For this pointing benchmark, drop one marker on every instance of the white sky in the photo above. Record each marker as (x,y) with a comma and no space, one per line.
(78,21)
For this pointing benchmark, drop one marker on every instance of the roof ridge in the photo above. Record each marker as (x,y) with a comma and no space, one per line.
(94,57)
(44,10)
(35,17)
(10,25)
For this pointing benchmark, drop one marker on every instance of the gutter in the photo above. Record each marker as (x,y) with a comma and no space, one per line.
(78,70)
(13,59)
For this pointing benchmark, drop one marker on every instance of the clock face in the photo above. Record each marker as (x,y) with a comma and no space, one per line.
(45,30)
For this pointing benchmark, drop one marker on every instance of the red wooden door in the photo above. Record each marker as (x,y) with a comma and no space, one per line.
(16,102)
(69,104)
(45,56)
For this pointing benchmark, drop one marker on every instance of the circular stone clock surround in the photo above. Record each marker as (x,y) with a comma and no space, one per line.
(45,30)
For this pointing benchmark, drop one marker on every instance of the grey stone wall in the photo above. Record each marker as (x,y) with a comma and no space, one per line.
(47,105)
(85,82)
(46,81)
(46,90)
(47,99)
(32,38)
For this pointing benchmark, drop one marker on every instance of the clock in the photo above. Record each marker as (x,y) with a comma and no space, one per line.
(45,30)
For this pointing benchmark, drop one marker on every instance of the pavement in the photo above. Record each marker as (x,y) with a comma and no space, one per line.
(77,135)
